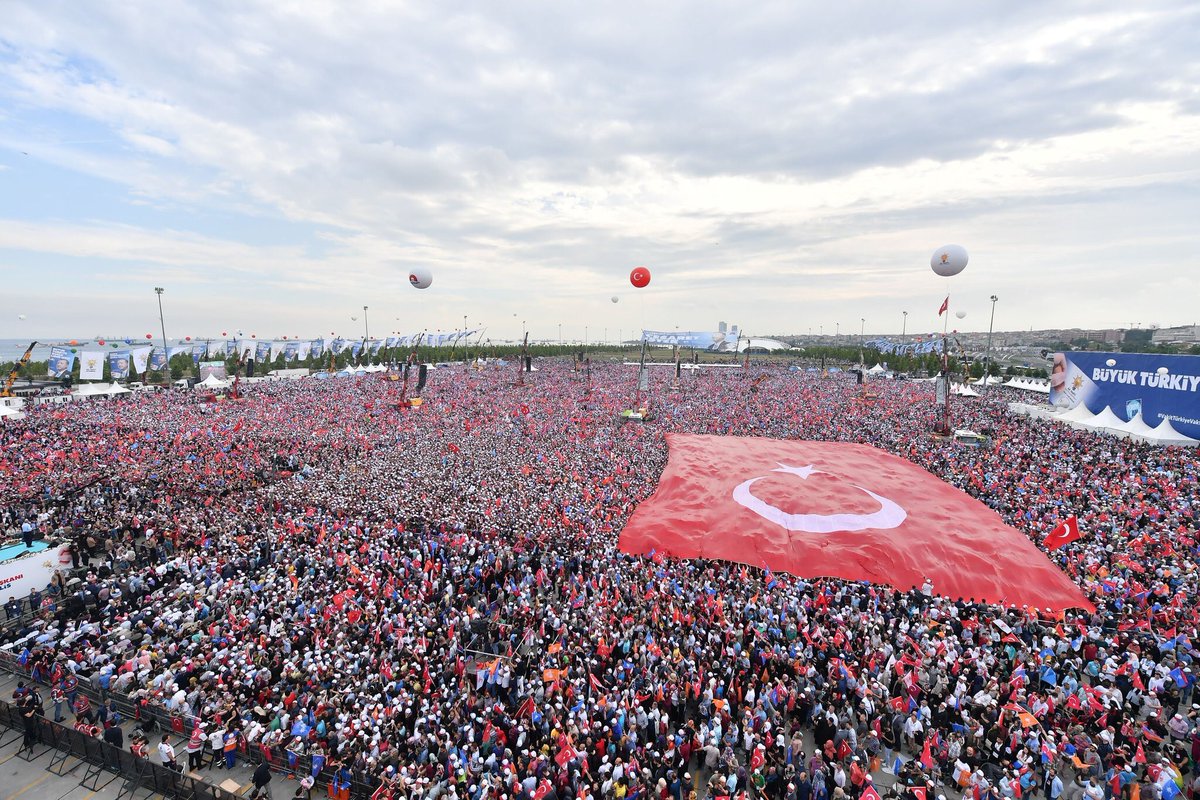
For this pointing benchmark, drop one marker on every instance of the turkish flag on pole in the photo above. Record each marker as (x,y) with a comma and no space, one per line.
(869,793)
(945,306)
(918,792)
(840,510)
(1064,532)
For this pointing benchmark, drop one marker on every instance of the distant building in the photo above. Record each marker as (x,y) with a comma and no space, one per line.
(1183,334)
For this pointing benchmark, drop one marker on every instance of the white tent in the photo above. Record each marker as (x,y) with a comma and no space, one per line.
(90,390)
(1106,421)
(7,412)
(964,391)
(1137,427)
(212,382)
(878,369)
(1074,416)
(117,388)
(1165,434)
(990,380)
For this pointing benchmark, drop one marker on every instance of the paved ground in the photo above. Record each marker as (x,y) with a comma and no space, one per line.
(21,779)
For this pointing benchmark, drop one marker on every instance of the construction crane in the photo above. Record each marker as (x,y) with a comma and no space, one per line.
(12,376)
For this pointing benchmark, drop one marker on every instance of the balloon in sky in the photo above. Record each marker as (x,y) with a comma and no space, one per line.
(949,260)
(148,336)
(354,319)
(20,316)
(187,338)
(640,277)
(420,277)
(616,299)
(960,314)
(100,342)
(223,333)
(73,341)
(239,333)
(253,336)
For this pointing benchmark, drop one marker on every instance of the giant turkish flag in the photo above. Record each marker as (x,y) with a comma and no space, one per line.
(841,510)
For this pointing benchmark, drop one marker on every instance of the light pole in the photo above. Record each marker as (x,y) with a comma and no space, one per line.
(560,334)
(987,357)
(585,334)
(904,324)
(158,291)
(366,329)
(837,332)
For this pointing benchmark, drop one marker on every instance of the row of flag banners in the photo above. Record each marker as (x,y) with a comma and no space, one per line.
(141,359)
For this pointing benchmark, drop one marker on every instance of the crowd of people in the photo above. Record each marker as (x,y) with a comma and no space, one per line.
(429,602)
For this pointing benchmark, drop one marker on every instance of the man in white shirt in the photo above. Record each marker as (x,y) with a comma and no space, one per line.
(167,753)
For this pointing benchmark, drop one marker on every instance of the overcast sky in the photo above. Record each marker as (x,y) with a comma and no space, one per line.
(276,166)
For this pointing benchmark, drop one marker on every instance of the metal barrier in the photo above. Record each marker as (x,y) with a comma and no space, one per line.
(100,757)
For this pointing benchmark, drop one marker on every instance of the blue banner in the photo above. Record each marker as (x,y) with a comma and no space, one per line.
(338,345)
(118,364)
(230,349)
(375,345)
(158,360)
(262,352)
(699,340)
(355,349)
(914,348)
(62,361)
(391,341)
(198,352)
(291,351)
(1160,387)
(318,348)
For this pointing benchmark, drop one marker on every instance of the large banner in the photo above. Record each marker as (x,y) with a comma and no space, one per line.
(699,340)
(141,359)
(262,352)
(91,365)
(291,351)
(62,361)
(158,360)
(1161,387)
(118,364)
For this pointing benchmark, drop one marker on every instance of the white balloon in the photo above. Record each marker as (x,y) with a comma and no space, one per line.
(1162,370)
(960,314)
(20,316)
(420,277)
(1112,362)
(616,299)
(354,319)
(949,260)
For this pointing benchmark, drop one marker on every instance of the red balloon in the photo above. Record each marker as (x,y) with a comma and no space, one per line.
(149,335)
(100,341)
(72,342)
(640,277)
(223,333)
(187,338)
(252,336)
(285,338)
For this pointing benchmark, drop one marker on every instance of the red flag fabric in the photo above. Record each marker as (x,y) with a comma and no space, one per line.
(869,793)
(918,792)
(1064,532)
(843,510)
(926,756)
(945,306)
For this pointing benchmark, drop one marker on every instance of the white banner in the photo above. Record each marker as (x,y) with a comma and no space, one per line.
(140,357)
(33,571)
(304,351)
(277,349)
(91,365)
